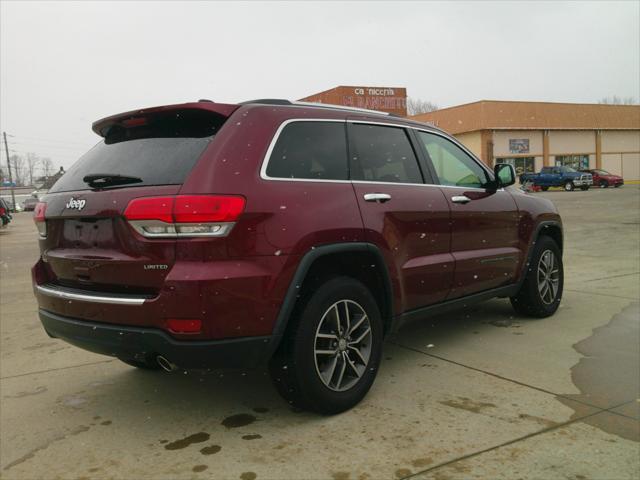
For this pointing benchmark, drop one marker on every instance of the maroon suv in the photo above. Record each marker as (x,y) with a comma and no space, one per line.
(210,235)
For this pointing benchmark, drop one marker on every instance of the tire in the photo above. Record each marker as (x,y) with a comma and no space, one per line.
(544,189)
(617,185)
(569,186)
(143,365)
(584,189)
(296,369)
(531,300)
(604,184)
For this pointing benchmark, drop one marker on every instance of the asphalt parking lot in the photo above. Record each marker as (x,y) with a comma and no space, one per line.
(482,393)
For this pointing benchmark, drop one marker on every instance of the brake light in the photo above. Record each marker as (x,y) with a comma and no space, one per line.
(39,218)
(3,211)
(184,215)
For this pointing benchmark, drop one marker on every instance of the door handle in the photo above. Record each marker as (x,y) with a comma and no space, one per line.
(460,199)
(377,197)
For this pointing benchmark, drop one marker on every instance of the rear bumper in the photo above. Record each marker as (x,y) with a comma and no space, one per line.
(139,343)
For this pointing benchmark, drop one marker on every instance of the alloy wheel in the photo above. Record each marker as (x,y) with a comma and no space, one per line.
(548,277)
(342,345)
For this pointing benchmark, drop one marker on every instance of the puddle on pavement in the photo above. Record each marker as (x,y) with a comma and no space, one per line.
(210,450)
(186,441)
(239,420)
(608,374)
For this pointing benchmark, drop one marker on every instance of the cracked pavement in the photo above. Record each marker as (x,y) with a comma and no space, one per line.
(479,393)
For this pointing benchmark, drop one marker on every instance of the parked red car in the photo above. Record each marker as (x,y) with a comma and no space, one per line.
(604,179)
(212,235)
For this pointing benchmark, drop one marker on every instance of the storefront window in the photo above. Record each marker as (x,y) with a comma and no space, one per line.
(577,162)
(520,164)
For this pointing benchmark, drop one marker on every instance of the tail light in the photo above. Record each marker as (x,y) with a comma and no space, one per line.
(3,211)
(184,215)
(38,217)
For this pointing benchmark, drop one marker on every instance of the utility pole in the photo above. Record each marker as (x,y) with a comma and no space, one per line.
(6,149)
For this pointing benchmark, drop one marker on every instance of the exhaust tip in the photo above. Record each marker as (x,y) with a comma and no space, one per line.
(165,364)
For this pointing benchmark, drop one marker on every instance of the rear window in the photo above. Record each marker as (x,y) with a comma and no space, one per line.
(310,150)
(160,150)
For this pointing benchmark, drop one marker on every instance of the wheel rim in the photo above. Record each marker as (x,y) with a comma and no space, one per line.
(548,277)
(342,345)
(567,186)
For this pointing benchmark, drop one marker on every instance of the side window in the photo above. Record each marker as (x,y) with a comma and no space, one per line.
(452,164)
(383,154)
(311,150)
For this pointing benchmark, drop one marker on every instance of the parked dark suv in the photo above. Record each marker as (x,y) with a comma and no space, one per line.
(210,235)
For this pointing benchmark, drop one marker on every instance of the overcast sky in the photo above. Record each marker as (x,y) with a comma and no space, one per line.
(66,64)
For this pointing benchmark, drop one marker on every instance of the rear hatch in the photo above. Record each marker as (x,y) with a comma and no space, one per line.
(89,245)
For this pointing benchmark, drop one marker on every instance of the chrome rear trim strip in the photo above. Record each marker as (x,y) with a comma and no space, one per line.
(66,295)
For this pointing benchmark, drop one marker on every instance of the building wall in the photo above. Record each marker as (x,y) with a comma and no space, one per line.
(384,99)
(572,142)
(473,141)
(622,141)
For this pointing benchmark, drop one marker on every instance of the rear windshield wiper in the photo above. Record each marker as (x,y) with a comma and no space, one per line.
(99,180)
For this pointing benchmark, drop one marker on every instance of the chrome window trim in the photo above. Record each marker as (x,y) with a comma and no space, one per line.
(272,144)
(66,295)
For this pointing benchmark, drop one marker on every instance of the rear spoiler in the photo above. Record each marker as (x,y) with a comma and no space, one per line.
(102,126)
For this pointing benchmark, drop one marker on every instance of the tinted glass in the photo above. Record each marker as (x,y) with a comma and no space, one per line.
(383,154)
(162,151)
(312,150)
(453,165)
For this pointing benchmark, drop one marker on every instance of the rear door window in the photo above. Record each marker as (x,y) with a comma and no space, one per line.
(382,154)
(159,150)
(310,150)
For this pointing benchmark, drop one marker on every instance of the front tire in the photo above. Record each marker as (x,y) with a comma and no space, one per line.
(541,292)
(544,189)
(604,184)
(330,356)
(569,186)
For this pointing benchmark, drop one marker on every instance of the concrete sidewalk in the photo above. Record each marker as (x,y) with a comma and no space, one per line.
(481,393)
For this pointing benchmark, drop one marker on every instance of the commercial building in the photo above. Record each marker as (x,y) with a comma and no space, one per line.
(384,99)
(531,135)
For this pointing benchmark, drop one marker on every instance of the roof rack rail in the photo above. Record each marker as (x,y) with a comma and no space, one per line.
(279,101)
(338,107)
(267,101)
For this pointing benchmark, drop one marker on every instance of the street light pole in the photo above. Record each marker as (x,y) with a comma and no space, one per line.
(6,149)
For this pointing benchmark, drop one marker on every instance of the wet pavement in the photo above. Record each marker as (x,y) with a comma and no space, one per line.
(480,393)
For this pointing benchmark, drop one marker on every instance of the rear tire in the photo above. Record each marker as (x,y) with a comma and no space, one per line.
(544,189)
(569,186)
(143,365)
(541,291)
(617,185)
(316,367)
(584,189)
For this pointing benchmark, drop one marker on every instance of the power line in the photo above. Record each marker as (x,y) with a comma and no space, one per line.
(45,139)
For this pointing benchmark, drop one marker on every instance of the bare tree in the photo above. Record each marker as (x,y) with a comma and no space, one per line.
(18,169)
(416,106)
(47,166)
(32,162)
(615,100)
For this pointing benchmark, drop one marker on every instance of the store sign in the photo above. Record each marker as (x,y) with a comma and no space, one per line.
(519,145)
(378,92)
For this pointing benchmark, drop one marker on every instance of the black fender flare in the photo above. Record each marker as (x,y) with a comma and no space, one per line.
(289,301)
(534,237)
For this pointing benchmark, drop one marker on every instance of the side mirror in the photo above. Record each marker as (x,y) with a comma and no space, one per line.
(505,175)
